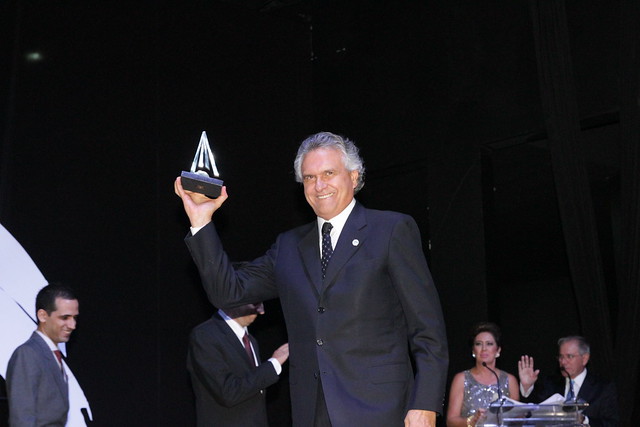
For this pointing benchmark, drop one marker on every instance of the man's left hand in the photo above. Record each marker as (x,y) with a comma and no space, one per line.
(420,418)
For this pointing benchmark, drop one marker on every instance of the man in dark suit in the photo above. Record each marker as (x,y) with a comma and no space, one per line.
(575,384)
(226,374)
(358,298)
(37,386)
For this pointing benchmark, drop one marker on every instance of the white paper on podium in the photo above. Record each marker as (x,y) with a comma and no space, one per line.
(507,401)
(555,399)
(20,281)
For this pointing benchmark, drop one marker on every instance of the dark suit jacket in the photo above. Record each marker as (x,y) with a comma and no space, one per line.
(38,394)
(599,393)
(229,390)
(358,330)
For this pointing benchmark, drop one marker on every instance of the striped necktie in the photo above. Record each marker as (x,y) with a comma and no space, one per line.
(58,354)
(570,395)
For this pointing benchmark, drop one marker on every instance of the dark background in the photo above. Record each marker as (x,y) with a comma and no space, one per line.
(447,101)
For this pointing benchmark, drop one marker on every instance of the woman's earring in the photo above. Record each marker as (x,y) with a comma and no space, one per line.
(474,355)
(498,355)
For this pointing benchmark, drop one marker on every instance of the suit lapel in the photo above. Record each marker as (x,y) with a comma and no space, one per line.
(352,237)
(52,365)
(309,248)
(587,388)
(256,348)
(232,340)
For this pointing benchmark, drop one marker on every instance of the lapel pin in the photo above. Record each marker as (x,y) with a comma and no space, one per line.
(355,242)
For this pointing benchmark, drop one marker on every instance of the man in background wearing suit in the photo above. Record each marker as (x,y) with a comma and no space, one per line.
(576,383)
(37,386)
(226,374)
(356,292)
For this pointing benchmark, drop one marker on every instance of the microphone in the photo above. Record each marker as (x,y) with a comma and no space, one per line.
(499,409)
(574,398)
(497,380)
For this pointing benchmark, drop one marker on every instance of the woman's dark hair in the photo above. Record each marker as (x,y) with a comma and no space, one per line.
(490,327)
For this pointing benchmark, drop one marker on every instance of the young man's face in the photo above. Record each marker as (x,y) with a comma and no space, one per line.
(59,325)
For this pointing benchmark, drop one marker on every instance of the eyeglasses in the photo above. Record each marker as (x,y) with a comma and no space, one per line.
(568,357)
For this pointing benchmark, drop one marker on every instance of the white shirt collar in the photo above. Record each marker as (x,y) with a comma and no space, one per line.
(51,345)
(338,223)
(46,339)
(237,329)
(577,381)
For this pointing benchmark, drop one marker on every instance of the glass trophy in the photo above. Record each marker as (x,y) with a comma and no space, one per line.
(203,176)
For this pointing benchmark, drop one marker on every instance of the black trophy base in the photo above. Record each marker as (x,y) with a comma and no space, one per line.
(210,187)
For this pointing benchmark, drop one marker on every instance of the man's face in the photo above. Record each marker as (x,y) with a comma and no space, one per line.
(328,185)
(59,325)
(570,359)
(245,314)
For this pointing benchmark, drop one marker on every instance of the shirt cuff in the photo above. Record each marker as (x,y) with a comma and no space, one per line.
(194,230)
(276,365)
(525,393)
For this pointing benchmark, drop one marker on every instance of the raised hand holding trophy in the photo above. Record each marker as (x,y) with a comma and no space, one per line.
(203,169)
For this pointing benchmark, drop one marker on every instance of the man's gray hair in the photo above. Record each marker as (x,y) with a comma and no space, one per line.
(350,156)
(583,344)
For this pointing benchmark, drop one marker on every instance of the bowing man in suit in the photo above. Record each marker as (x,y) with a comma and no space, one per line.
(227,377)
(358,298)
(37,386)
(577,383)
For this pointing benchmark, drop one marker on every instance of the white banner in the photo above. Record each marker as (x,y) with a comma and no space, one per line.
(20,281)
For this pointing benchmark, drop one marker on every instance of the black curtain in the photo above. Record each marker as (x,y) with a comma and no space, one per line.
(558,95)
(628,334)
(616,349)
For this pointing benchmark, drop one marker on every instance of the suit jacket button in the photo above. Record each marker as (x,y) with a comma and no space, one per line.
(320,309)
(319,342)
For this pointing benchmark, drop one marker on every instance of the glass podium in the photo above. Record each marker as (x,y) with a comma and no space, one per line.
(507,413)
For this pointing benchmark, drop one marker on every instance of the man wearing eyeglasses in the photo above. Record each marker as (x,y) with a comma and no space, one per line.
(576,384)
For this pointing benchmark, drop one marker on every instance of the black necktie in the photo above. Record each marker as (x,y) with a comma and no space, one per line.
(327,249)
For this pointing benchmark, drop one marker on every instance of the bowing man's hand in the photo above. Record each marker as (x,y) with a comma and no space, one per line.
(199,208)
(282,353)
(420,418)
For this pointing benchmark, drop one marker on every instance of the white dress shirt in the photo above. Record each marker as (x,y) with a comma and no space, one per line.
(338,223)
(53,348)
(240,330)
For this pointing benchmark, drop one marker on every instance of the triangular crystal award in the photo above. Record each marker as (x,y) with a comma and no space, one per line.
(203,170)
